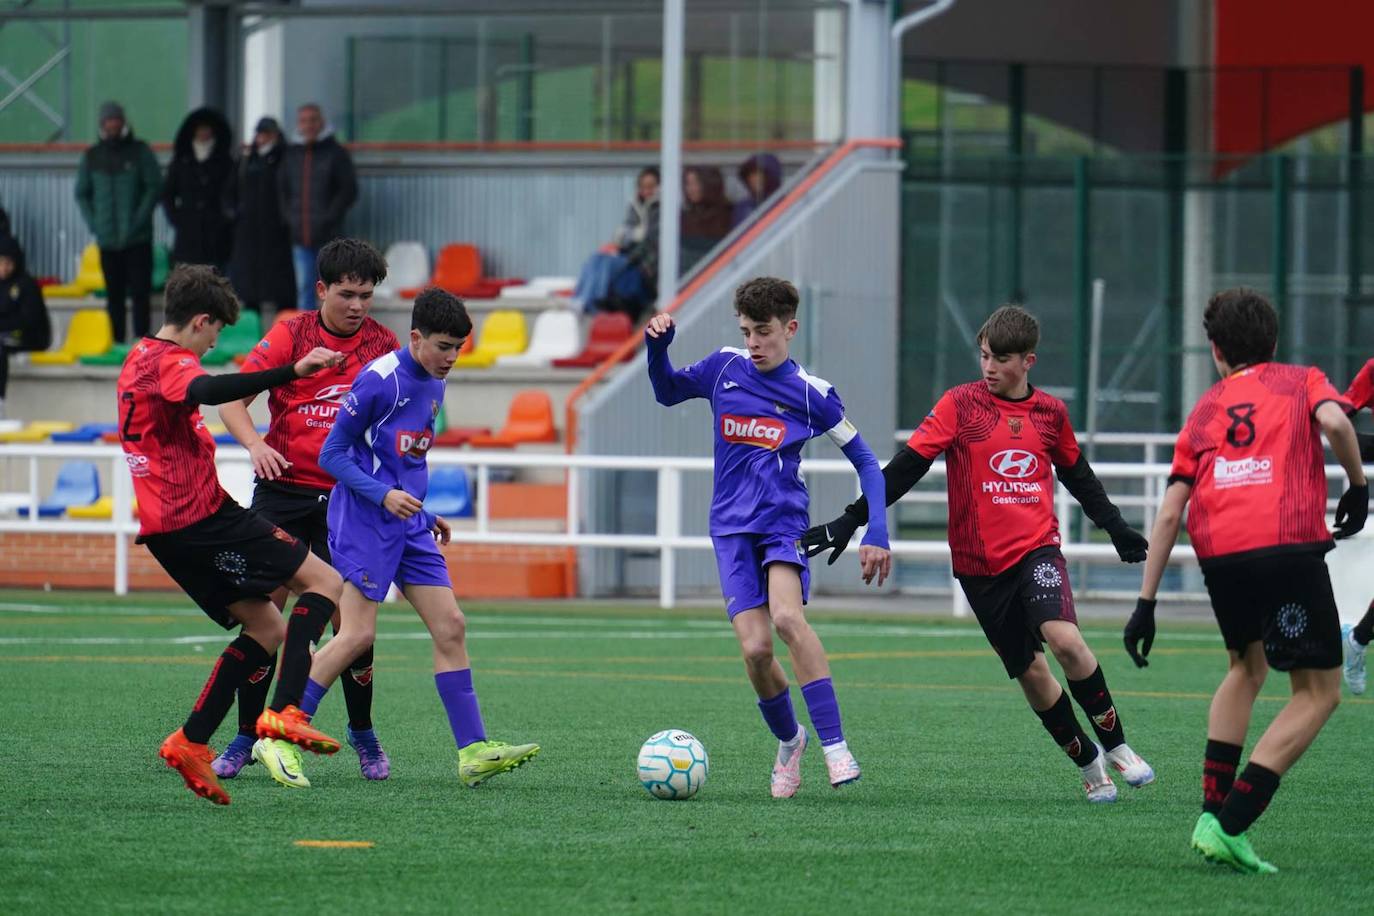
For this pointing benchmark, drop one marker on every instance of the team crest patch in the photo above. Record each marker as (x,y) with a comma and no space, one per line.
(1107,720)
(1292,620)
(1016,425)
(1073,748)
(1047,576)
(361,676)
(257,676)
(433,410)
(281,535)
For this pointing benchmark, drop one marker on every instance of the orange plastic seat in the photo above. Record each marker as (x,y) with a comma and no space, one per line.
(458,266)
(530,419)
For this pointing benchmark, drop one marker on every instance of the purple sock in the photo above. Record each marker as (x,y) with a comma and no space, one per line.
(824,710)
(460,702)
(311,700)
(777,712)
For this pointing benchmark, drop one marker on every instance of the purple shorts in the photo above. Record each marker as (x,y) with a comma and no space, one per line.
(405,554)
(743,561)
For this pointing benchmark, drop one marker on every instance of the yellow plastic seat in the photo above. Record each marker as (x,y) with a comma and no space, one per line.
(89,274)
(89,334)
(504,334)
(37,431)
(101,508)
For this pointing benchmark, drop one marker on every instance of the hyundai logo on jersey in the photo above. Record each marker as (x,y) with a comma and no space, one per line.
(1014,463)
(332,393)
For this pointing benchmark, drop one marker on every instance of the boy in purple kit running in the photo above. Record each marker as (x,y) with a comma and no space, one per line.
(379,531)
(765,408)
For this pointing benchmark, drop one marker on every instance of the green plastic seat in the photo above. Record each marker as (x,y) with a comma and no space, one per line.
(162,264)
(114,357)
(236,339)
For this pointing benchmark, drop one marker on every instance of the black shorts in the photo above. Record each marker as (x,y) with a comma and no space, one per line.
(1283,601)
(1012,605)
(229,556)
(300,511)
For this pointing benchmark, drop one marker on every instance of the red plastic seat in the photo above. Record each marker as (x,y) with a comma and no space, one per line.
(458,266)
(460,435)
(530,419)
(609,330)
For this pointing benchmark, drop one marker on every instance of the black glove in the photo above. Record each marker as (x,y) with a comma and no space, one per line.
(1130,544)
(1140,627)
(1352,511)
(832,535)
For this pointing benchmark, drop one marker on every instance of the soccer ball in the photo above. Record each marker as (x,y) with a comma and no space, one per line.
(673,764)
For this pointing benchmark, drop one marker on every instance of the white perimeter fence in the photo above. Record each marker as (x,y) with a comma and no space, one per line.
(667,539)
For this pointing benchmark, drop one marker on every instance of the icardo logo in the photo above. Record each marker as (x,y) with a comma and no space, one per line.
(1014,463)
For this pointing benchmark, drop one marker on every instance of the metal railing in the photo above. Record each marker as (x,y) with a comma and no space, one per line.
(667,539)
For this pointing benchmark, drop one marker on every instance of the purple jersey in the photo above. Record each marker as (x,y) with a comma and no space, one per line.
(762,420)
(378,444)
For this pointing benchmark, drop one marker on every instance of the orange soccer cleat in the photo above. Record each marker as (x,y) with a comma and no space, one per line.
(192,761)
(292,725)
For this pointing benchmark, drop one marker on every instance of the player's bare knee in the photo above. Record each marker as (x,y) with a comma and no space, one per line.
(1072,653)
(790,623)
(758,653)
(450,630)
(269,633)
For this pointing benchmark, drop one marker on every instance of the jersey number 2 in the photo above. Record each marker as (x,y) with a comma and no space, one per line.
(128,419)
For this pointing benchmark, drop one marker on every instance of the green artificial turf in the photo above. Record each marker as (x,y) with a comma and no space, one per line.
(965,804)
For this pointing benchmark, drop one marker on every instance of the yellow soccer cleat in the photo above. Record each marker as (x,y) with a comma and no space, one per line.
(282,760)
(482,760)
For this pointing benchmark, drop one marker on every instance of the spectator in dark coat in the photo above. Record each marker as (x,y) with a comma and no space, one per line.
(762,176)
(317,184)
(192,195)
(117,187)
(260,267)
(24,323)
(705,213)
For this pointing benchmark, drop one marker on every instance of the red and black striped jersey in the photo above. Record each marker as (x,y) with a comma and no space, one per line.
(1000,456)
(170,452)
(302,412)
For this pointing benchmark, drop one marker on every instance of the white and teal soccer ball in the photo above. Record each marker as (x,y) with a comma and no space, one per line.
(673,764)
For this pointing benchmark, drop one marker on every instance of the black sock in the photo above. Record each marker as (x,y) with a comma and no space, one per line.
(1218,773)
(306,625)
(1063,727)
(357,690)
(1092,694)
(239,659)
(1249,796)
(253,696)
(1364,630)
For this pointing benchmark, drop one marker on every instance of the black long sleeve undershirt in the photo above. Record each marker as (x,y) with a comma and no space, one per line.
(1084,486)
(900,474)
(234,386)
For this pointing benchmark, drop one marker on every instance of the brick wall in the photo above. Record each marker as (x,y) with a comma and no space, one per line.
(39,559)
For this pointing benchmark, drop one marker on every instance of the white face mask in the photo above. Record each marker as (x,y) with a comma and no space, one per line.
(267,148)
(203,149)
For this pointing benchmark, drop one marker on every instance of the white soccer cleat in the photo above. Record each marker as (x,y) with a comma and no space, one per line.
(1129,764)
(843,768)
(1353,670)
(787,768)
(1096,783)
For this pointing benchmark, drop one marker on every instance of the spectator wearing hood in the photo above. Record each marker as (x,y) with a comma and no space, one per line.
(260,265)
(317,185)
(24,323)
(192,195)
(623,275)
(761,175)
(705,213)
(117,187)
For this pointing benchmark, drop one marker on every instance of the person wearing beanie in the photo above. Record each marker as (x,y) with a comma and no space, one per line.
(117,187)
(260,266)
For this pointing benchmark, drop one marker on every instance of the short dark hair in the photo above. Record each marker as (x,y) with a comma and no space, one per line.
(350,259)
(1010,329)
(438,311)
(765,298)
(648,170)
(198,289)
(1243,325)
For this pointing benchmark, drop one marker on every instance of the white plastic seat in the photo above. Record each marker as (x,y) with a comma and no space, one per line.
(555,336)
(237,479)
(407,265)
(539,288)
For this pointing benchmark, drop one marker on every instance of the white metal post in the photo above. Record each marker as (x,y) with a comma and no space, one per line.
(123,509)
(670,152)
(669,528)
(572,501)
(483,497)
(1094,363)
